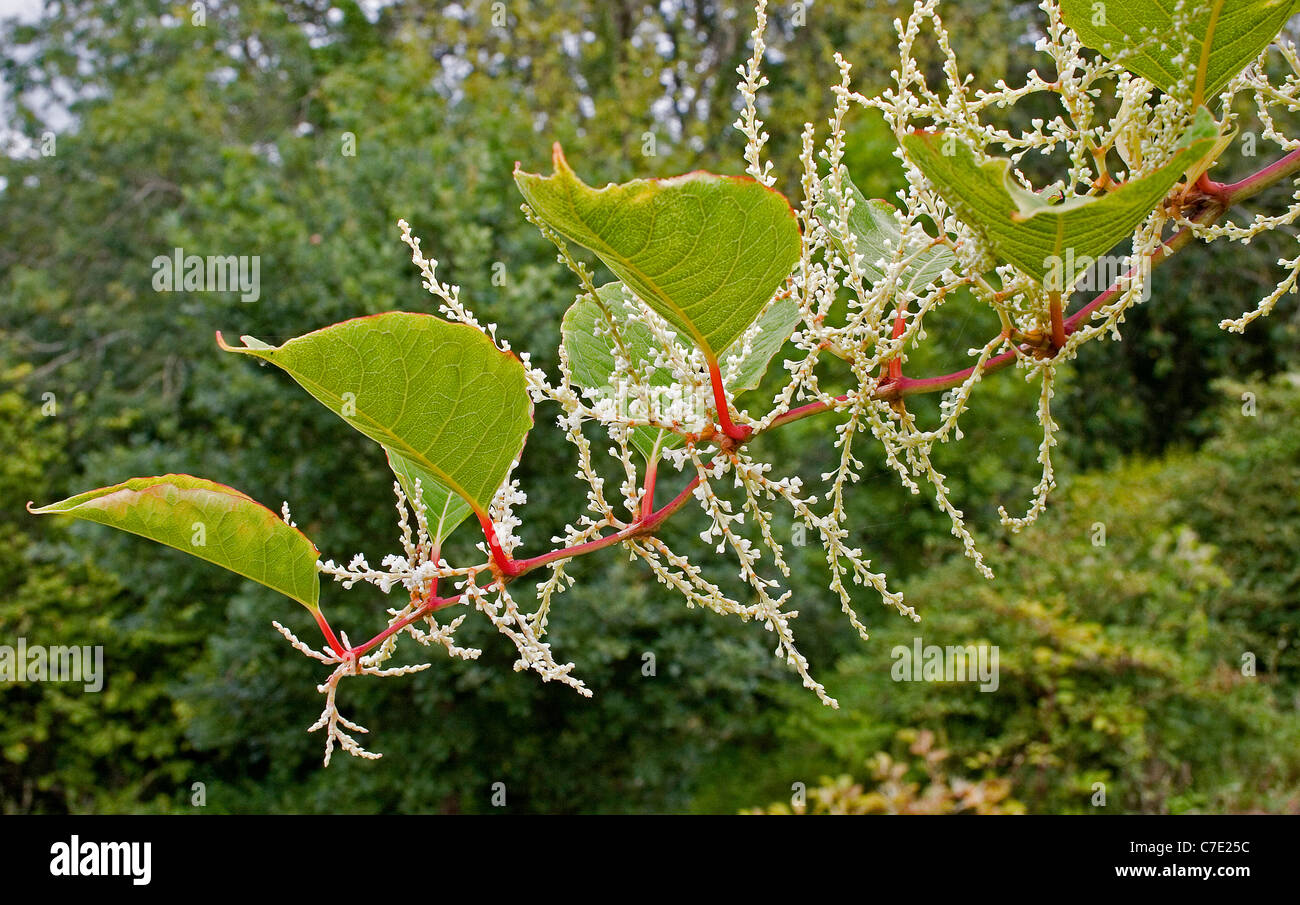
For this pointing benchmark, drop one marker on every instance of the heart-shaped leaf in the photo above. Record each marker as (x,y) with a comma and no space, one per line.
(208,520)
(591,353)
(590,349)
(879,238)
(444,509)
(1221,37)
(438,396)
(774,328)
(706,252)
(1028,230)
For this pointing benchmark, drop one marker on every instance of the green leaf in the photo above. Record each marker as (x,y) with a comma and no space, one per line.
(208,520)
(1029,231)
(436,395)
(590,349)
(706,252)
(878,238)
(444,509)
(775,327)
(1222,37)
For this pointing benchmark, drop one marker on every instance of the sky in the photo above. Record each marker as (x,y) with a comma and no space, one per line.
(23,10)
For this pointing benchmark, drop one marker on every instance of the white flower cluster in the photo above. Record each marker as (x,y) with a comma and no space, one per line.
(419,569)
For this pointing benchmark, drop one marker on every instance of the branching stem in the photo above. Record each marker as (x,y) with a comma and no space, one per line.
(432,605)
(1219,198)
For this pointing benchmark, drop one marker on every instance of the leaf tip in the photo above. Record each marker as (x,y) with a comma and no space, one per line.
(559,166)
(558,163)
(250,344)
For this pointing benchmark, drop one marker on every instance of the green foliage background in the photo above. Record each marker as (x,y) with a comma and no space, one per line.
(1120,664)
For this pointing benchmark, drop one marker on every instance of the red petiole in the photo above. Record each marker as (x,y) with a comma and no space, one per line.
(334,643)
(503,562)
(737,433)
(648,496)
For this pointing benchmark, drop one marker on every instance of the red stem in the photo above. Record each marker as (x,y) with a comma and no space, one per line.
(645,525)
(896,363)
(648,497)
(911,386)
(1208,185)
(1058,321)
(435,555)
(1233,192)
(499,555)
(432,605)
(328,632)
(737,433)
(513,568)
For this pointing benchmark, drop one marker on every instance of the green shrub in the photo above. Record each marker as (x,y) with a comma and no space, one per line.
(1124,663)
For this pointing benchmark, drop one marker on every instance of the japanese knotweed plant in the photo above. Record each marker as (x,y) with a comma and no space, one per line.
(716,276)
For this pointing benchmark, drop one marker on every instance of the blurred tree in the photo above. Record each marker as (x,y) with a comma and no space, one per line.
(898,788)
(62,748)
